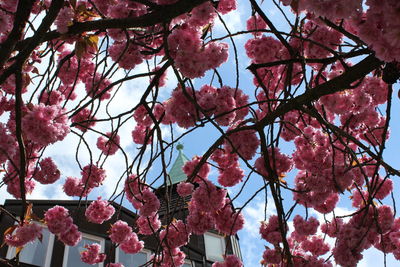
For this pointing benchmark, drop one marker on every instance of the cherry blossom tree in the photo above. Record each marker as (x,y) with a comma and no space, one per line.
(322,85)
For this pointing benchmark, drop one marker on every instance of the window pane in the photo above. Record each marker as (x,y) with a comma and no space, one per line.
(132,260)
(35,253)
(74,253)
(214,247)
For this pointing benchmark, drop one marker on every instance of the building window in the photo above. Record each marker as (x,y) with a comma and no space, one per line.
(188,264)
(235,246)
(36,253)
(132,260)
(72,255)
(215,246)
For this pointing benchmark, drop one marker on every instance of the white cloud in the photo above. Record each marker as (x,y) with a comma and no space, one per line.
(252,246)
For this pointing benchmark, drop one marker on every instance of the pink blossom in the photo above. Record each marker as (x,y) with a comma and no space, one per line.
(48,172)
(58,219)
(226,6)
(126,55)
(229,261)
(98,87)
(184,189)
(148,225)
(45,125)
(64,19)
(92,176)
(199,221)
(132,244)
(92,255)
(208,197)
(71,237)
(109,145)
(120,231)
(84,119)
(99,211)
(270,231)
(74,187)
(175,235)
(151,204)
(305,227)
(271,256)
(202,173)
(23,235)
(227,221)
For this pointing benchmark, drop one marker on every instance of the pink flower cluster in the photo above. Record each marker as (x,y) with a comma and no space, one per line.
(202,173)
(245,143)
(132,245)
(227,104)
(60,223)
(121,233)
(229,261)
(305,227)
(208,197)
(109,145)
(92,255)
(371,226)
(48,172)
(229,169)
(23,234)
(256,23)
(184,189)
(226,6)
(73,70)
(320,34)
(169,257)
(227,221)
(264,49)
(148,225)
(98,86)
(209,208)
(279,163)
(202,15)
(379,28)
(190,57)
(45,125)
(7,143)
(99,211)
(84,119)
(175,235)
(92,176)
(270,231)
(141,196)
(126,54)
(332,9)
(64,19)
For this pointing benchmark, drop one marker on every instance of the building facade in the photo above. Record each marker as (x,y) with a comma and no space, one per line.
(202,250)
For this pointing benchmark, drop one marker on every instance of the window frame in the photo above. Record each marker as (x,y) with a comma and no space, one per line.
(235,246)
(148,254)
(223,246)
(49,251)
(88,236)
(191,263)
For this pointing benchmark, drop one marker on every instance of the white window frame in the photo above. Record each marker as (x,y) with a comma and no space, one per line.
(148,254)
(49,251)
(223,246)
(88,236)
(191,263)
(235,246)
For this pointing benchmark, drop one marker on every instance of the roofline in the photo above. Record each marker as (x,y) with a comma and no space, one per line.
(66,202)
